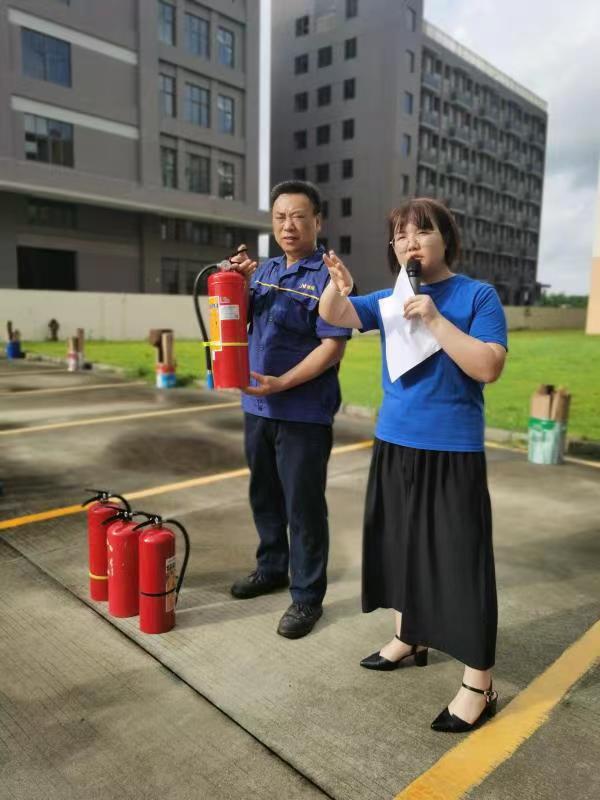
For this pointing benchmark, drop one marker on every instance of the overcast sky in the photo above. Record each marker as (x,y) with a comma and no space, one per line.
(552,48)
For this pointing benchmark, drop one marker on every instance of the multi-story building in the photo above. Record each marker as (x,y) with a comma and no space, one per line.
(129,141)
(375,105)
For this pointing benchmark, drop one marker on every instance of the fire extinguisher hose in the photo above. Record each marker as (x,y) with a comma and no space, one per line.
(186,555)
(206,342)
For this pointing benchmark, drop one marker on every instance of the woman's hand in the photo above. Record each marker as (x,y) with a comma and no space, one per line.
(340,276)
(242,263)
(421,306)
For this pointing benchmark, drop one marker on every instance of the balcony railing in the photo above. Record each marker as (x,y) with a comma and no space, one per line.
(430,118)
(427,155)
(461,98)
(432,80)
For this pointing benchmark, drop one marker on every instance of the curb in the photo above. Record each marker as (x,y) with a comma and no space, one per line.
(516,439)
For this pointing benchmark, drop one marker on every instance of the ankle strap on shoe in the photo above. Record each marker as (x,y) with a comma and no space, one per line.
(486,692)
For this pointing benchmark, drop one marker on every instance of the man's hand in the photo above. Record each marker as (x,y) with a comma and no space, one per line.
(242,263)
(267,384)
(421,306)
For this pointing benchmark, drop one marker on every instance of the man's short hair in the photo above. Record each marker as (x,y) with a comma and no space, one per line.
(298,187)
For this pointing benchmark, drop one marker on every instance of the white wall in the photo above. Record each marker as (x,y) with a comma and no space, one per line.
(103,315)
(130,316)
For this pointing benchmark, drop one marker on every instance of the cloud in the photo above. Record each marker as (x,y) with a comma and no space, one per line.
(553,49)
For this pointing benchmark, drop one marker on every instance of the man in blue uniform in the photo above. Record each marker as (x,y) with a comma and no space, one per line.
(289,409)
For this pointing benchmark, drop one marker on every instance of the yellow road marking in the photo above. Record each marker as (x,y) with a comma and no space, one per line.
(66,511)
(119,418)
(27,392)
(470,762)
(568,459)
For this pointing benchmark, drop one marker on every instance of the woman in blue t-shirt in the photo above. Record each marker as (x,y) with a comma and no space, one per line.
(427,547)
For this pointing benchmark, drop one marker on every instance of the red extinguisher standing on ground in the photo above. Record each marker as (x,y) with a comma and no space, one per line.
(122,548)
(100,510)
(159,584)
(226,340)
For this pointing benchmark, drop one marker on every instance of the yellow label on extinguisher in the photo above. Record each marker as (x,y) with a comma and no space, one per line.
(214,324)
(170,583)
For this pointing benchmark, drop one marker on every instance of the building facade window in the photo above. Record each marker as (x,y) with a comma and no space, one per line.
(300,173)
(351,9)
(197,105)
(406,144)
(166,22)
(226,47)
(322,173)
(324,95)
(168,167)
(345,245)
(348,168)
(411,19)
(405,185)
(301,101)
(325,56)
(410,61)
(348,129)
(45,58)
(324,209)
(351,48)
(166,92)
(300,140)
(197,37)
(197,173)
(302,26)
(169,276)
(48,140)
(225,108)
(226,172)
(48,213)
(301,64)
(349,88)
(408,103)
(346,207)
(323,134)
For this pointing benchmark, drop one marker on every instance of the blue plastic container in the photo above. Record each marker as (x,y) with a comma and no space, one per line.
(13,350)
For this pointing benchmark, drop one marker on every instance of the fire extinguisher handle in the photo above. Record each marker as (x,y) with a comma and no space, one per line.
(153,519)
(123,513)
(186,556)
(104,495)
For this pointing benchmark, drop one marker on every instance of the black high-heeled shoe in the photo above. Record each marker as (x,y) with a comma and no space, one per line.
(449,723)
(377,661)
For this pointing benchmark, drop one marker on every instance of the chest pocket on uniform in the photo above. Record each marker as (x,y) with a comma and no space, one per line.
(259,302)
(295,312)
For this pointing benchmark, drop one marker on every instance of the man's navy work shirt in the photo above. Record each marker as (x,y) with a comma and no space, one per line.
(285,327)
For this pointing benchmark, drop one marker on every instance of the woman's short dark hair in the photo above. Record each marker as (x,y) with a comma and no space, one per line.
(426,214)
(298,187)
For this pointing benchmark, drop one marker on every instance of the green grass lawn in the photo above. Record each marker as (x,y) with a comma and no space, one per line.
(564,358)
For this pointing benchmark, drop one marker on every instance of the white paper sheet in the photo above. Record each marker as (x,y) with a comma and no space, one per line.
(407,342)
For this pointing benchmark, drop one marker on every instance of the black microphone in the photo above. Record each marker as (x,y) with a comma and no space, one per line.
(413,270)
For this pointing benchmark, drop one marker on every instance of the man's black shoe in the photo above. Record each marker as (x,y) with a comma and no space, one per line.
(255,584)
(299,620)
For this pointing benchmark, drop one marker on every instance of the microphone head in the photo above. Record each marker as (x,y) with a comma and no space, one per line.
(413,268)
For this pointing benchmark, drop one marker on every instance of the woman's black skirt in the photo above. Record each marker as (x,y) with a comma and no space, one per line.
(427,549)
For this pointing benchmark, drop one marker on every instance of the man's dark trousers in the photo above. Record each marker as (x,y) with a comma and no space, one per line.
(288,474)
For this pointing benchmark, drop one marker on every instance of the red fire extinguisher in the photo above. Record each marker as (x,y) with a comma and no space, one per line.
(227,337)
(122,548)
(159,584)
(99,511)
